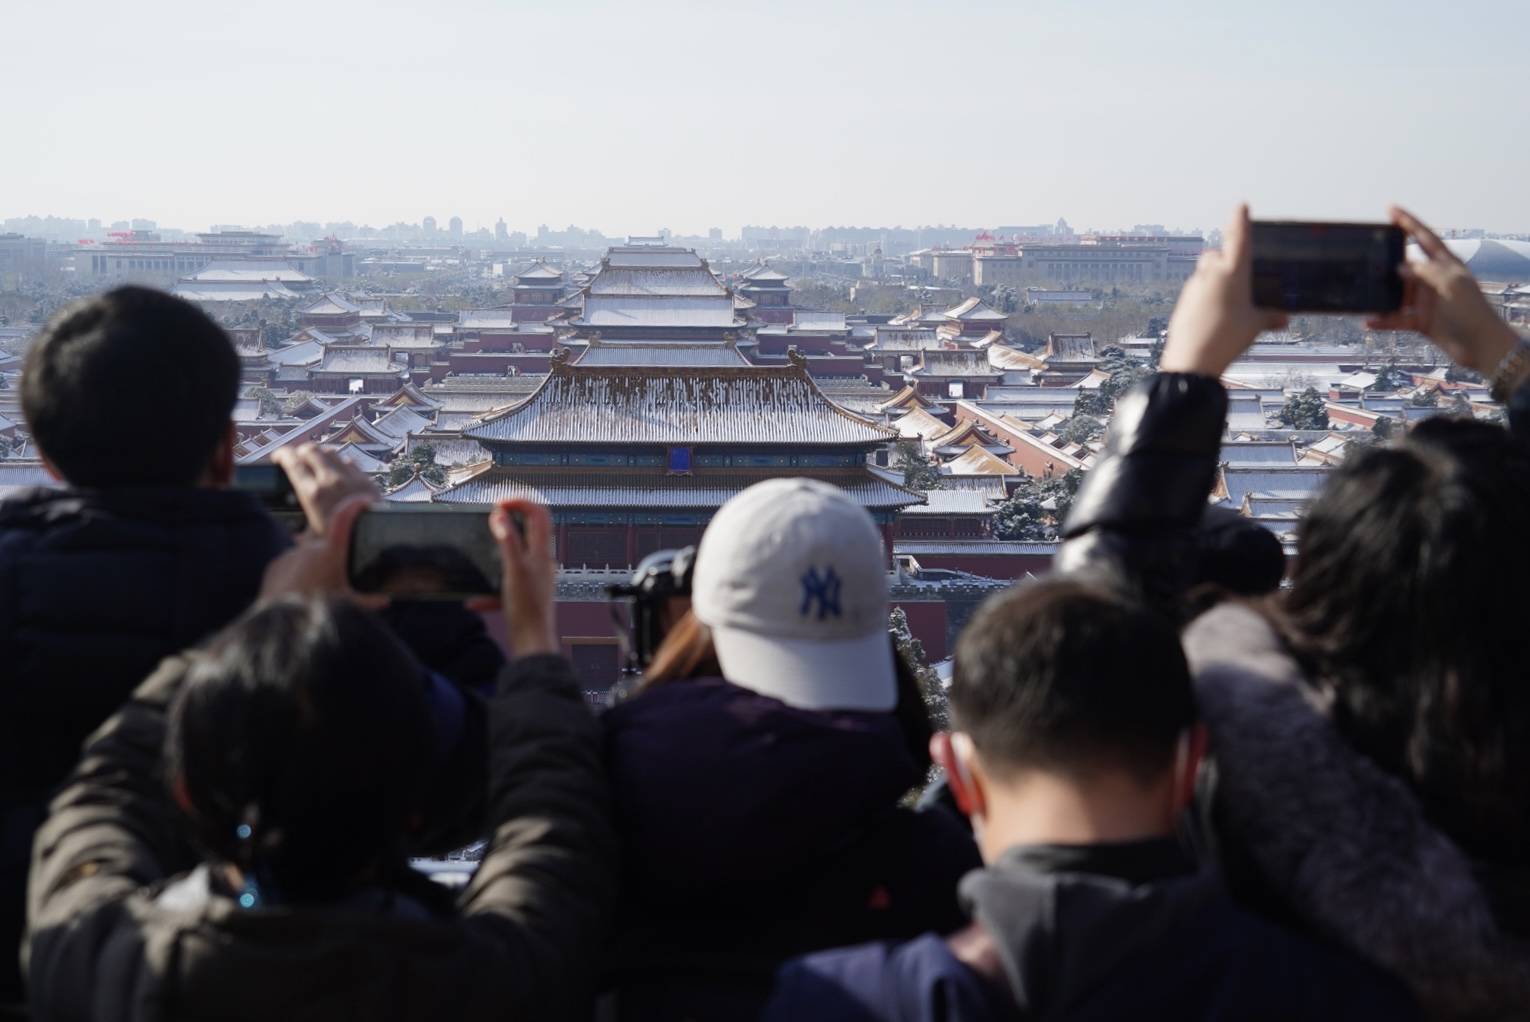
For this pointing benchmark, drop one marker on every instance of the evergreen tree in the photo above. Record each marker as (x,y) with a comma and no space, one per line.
(1305,411)
(1121,380)
(1091,403)
(920,472)
(1037,508)
(421,461)
(1081,429)
(270,404)
(912,651)
(1388,379)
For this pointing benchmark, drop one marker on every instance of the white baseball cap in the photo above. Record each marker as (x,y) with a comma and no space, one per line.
(791,578)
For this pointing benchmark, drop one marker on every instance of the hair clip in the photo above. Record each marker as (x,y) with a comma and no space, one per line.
(249,894)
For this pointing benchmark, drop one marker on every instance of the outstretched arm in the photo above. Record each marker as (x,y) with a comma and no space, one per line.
(545,892)
(1137,512)
(1442,301)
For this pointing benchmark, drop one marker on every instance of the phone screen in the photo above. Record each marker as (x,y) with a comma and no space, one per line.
(1327,267)
(424,553)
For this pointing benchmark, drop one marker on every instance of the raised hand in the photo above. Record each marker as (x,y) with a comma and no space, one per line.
(322,481)
(528,585)
(316,564)
(1442,301)
(1215,320)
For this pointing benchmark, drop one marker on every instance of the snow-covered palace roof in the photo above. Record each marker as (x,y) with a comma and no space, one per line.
(679,405)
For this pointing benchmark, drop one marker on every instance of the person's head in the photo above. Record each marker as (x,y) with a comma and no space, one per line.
(1072,708)
(791,580)
(417,570)
(656,598)
(1407,598)
(88,374)
(1237,556)
(308,723)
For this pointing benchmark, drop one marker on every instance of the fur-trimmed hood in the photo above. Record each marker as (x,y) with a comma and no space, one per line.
(1344,844)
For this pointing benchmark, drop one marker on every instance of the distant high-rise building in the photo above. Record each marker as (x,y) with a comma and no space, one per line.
(501,232)
(140,224)
(93,225)
(715,234)
(429,224)
(455,226)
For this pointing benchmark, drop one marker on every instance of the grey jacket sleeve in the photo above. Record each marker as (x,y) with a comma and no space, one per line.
(1343,844)
(546,890)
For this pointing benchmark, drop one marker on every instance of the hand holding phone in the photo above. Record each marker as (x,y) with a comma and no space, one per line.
(529,588)
(1442,301)
(1215,320)
(322,481)
(316,565)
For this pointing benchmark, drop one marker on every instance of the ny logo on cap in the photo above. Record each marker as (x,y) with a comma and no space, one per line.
(822,590)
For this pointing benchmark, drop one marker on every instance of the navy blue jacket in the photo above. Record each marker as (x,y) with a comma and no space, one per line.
(95,589)
(752,832)
(1093,932)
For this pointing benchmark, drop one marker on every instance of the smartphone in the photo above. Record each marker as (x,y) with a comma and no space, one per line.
(424,553)
(1327,267)
(268,484)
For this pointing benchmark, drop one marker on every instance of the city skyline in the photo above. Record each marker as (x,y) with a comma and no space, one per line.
(676,115)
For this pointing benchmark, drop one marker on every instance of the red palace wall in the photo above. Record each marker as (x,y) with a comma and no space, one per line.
(927,620)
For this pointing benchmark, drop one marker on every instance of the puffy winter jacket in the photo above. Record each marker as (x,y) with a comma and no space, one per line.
(116,934)
(1314,828)
(753,831)
(95,589)
(1111,931)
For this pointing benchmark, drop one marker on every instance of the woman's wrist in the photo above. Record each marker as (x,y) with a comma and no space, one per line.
(1510,370)
(534,641)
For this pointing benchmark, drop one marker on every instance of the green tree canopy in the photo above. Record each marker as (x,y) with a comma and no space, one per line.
(920,472)
(1305,411)
(421,460)
(912,651)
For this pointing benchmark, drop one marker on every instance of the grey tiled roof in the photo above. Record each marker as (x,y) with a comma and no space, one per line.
(357,360)
(1264,481)
(1257,452)
(655,281)
(686,311)
(953,502)
(638,354)
(679,405)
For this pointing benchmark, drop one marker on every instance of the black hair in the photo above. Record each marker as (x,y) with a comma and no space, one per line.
(1407,601)
(307,722)
(90,371)
(1066,674)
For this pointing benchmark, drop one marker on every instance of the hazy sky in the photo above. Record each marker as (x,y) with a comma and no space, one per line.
(632,116)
